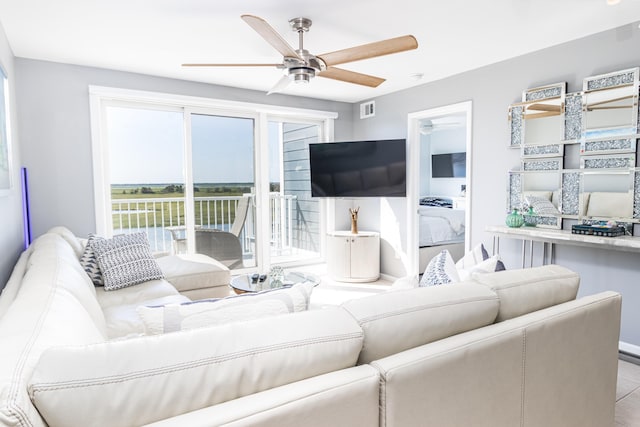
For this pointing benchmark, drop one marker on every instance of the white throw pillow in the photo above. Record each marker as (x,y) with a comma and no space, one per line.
(209,312)
(440,271)
(489,265)
(472,258)
(478,261)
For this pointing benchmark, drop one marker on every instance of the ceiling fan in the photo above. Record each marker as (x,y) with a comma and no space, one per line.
(429,126)
(301,66)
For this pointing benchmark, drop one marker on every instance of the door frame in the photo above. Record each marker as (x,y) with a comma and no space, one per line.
(100,97)
(413,176)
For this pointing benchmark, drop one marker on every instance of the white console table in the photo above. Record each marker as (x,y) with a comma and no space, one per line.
(353,257)
(550,237)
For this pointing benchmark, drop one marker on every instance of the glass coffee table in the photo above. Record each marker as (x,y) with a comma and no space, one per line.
(251,282)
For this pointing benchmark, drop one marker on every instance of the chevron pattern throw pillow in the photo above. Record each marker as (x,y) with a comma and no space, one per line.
(90,263)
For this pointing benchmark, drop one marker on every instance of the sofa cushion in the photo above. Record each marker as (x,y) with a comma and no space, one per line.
(194,271)
(120,306)
(399,320)
(525,290)
(138,294)
(125,260)
(182,317)
(150,378)
(124,321)
(52,307)
(248,306)
(70,238)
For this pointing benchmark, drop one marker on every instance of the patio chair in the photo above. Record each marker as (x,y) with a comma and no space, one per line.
(225,246)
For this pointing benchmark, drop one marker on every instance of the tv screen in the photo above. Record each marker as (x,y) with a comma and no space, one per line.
(359,169)
(449,165)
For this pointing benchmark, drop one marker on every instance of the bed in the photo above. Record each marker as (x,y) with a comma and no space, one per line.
(440,228)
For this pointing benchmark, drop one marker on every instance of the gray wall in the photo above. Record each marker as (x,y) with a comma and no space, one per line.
(52,117)
(54,121)
(492,89)
(11,237)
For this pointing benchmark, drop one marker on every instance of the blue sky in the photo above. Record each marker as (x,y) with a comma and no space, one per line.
(146,147)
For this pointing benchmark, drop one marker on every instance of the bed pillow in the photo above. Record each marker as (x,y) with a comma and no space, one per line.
(236,308)
(125,260)
(441,270)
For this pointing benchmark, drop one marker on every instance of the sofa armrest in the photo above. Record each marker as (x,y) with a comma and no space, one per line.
(553,367)
(348,397)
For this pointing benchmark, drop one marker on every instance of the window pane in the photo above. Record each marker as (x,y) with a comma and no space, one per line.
(224,182)
(145,168)
(295,216)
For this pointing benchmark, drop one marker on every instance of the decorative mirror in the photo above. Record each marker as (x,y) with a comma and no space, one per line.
(547,125)
(543,121)
(610,105)
(539,118)
(539,189)
(607,194)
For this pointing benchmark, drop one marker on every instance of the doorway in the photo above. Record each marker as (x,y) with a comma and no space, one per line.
(439,183)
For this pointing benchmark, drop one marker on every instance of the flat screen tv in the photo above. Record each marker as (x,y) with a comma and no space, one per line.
(449,165)
(359,168)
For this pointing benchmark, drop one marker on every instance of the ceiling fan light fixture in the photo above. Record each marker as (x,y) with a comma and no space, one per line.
(613,2)
(301,66)
(302,74)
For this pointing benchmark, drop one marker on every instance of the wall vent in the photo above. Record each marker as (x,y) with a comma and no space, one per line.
(367,109)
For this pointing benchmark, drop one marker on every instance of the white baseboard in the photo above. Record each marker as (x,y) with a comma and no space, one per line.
(629,348)
(388,277)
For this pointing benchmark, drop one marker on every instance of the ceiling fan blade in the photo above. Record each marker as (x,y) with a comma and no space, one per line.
(282,83)
(371,50)
(270,35)
(232,65)
(351,77)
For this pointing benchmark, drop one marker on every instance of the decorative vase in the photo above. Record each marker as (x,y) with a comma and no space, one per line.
(354,220)
(530,217)
(515,219)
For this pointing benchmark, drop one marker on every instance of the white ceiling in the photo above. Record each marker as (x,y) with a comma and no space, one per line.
(155,36)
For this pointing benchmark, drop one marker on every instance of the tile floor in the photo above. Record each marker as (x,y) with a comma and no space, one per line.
(628,393)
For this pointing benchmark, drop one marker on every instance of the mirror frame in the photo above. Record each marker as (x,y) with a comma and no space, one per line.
(604,154)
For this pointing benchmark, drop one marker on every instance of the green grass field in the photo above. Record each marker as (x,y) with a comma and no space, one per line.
(165,214)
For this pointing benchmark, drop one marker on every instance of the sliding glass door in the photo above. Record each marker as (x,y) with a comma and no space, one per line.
(230,183)
(223,171)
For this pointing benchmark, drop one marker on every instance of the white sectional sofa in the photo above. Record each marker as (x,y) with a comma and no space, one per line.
(513,348)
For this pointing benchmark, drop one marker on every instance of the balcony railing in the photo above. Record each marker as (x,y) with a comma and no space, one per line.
(154,215)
